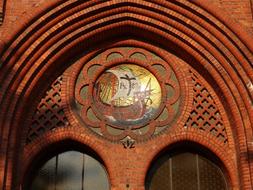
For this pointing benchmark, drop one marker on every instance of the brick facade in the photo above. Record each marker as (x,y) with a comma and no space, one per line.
(45,44)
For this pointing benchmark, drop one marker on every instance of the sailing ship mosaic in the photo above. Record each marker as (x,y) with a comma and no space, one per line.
(127,95)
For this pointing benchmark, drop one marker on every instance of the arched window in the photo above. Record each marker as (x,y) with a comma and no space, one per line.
(185,171)
(70,170)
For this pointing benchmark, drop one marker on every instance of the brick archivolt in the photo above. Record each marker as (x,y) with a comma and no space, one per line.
(214,46)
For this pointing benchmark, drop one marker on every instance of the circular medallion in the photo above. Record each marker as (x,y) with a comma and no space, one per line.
(128,92)
(127,95)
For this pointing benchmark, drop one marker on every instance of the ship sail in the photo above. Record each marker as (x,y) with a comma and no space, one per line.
(128,84)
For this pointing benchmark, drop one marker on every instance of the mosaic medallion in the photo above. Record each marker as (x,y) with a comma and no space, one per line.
(127,95)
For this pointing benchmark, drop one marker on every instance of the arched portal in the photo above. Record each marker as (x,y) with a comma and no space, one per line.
(202,63)
(69,170)
(187,166)
(66,164)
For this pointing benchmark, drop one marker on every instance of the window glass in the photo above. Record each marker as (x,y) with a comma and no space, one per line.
(185,171)
(71,171)
(45,179)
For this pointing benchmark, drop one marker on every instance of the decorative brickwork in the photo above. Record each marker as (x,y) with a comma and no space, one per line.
(240,10)
(205,114)
(1,18)
(49,113)
(2,3)
(117,108)
(43,38)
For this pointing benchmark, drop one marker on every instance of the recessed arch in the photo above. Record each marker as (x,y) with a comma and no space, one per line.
(69,169)
(208,147)
(47,40)
(48,147)
(183,165)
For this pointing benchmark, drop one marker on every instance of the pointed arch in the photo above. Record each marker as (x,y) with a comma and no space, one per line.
(194,31)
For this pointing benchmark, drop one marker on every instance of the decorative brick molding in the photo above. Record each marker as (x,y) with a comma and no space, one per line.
(194,32)
(205,114)
(2,4)
(1,17)
(49,113)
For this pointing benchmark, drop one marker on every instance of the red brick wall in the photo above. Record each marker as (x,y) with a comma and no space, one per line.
(17,14)
(217,48)
(17,11)
(239,10)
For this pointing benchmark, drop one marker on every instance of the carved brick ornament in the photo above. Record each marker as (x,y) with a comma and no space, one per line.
(129,93)
(49,113)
